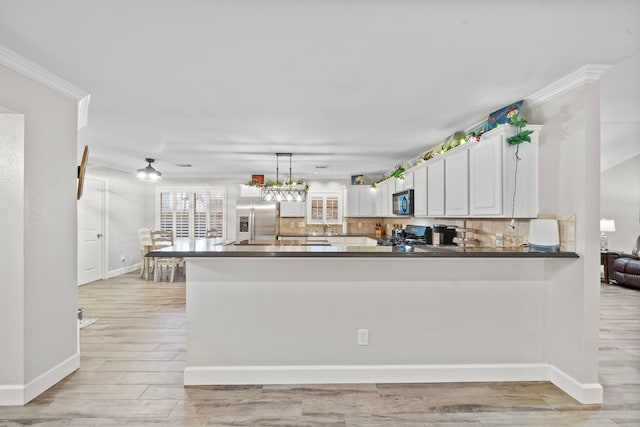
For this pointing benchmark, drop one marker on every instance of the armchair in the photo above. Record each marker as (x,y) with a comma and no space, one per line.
(624,269)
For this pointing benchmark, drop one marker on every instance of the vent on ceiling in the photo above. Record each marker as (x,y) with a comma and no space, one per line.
(183,165)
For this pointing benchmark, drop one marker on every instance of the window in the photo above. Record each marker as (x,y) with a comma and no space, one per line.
(324,208)
(190,213)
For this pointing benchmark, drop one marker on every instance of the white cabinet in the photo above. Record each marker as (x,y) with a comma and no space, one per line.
(383,201)
(324,208)
(420,191)
(406,183)
(526,197)
(392,187)
(335,240)
(348,240)
(492,167)
(379,209)
(292,209)
(250,191)
(435,188)
(485,175)
(456,183)
(361,201)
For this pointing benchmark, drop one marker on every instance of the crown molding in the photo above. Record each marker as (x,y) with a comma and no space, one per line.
(35,72)
(584,75)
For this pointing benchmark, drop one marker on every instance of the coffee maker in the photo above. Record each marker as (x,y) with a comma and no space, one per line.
(443,235)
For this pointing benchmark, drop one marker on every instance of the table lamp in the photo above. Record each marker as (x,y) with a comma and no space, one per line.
(605,226)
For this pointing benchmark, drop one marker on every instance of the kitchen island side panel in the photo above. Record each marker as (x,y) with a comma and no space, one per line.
(307,321)
(306,312)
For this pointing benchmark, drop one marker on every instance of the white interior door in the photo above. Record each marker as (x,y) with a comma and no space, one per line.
(90,231)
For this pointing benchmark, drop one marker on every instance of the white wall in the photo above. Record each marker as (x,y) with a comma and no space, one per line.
(620,201)
(48,314)
(11,255)
(569,182)
(126,211)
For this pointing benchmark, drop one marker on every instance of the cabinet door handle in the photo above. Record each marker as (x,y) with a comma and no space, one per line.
(99,235)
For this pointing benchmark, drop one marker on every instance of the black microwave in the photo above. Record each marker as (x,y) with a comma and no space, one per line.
(403,203)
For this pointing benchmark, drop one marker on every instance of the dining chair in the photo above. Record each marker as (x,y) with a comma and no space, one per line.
(163,239)
(144,239)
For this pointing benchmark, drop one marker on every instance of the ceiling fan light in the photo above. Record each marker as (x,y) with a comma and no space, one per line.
(148,173)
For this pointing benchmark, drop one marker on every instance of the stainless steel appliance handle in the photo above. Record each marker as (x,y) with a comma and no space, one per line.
(252,224)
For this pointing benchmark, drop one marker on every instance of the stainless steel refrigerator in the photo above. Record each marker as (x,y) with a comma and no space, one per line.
(256,220)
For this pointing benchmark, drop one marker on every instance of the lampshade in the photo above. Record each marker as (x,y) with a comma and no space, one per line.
(149,173)
(607,225)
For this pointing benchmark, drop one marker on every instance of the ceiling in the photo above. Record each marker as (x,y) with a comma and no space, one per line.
(357,86)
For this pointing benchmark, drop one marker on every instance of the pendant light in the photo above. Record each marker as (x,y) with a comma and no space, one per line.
(279,192)
(149,173)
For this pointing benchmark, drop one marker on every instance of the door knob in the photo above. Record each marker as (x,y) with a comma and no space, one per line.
(99,235)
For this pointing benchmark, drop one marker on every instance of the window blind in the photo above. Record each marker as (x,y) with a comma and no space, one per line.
(190,213)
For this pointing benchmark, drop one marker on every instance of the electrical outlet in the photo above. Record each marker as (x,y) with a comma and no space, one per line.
(301,224)
(363,337)
(359,225)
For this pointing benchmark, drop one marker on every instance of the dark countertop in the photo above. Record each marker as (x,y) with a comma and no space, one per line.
(371,236)
(221,248)
(281,243)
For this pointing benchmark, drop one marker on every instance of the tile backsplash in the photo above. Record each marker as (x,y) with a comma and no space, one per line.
(483,230)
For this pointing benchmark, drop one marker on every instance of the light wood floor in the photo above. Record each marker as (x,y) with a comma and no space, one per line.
(133,357)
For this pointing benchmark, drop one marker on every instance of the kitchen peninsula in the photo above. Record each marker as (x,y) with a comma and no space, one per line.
(344,314)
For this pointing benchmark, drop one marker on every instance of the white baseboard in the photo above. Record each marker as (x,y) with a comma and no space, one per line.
(584,393)
(124,270)
(225,375)
(13,395)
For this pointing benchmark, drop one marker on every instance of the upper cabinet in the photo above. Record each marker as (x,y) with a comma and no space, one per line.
(361,201)
(435,188)
(406,183)
(486,175)
(384,194)
(324,208)
(495,190)
(456,183)
(420,191)
(292,209)
(523,188)
(478,179)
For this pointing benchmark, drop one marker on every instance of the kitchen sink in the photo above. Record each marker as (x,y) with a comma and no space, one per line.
(318,233)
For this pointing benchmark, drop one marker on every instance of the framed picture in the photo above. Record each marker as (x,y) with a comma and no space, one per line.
(502,116)
(357,179)
(258,179)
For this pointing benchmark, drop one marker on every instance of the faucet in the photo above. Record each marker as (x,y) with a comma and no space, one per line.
(325,227)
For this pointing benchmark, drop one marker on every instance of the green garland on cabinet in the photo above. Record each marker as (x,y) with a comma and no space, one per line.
(522,135)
